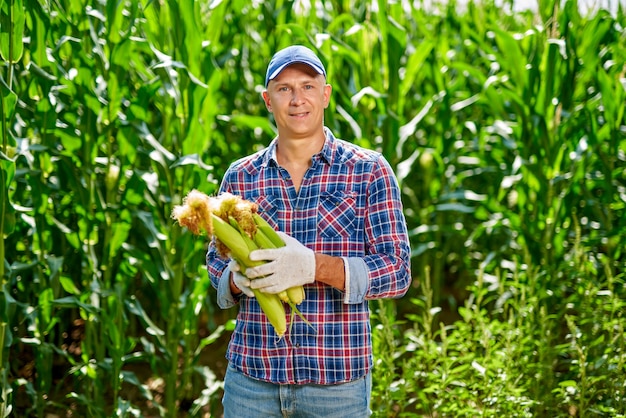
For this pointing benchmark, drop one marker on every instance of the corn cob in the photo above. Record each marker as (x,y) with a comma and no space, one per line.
(269,236)
(235,241)
(293,294)
(239,229)
(262,241)
(267,229)
(232,238)
(259,241)
(274,310)
(199,216)
(266,237)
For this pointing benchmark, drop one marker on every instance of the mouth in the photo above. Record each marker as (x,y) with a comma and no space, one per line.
(299,115)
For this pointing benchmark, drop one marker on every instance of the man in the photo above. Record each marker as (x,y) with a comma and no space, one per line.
(346,243)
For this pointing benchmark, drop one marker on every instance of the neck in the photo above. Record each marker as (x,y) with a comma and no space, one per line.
(300,150)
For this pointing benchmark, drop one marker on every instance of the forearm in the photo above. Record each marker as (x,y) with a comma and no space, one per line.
(330,270)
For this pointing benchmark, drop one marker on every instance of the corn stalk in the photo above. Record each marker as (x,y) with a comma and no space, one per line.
(11,49)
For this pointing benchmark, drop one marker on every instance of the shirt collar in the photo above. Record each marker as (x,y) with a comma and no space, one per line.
(325,154)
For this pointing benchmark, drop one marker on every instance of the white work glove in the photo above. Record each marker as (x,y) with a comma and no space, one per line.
(286,267)
(241,281)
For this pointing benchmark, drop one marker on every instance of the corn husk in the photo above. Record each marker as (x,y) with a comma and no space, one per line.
(237,228)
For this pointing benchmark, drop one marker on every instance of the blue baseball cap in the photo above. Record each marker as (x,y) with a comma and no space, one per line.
(293,55)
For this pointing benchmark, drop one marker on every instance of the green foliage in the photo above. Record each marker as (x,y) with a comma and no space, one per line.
(507,133)
(516,351)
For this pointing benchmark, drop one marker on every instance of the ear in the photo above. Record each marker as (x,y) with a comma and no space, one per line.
(327,90)
(266,99)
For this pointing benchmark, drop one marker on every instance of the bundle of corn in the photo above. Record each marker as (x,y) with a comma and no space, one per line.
(238,229)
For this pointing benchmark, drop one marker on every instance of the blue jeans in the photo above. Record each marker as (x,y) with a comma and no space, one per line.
(245,397)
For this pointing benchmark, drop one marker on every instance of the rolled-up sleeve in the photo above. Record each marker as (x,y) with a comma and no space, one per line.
(219,274)
(356,280)
(225,298)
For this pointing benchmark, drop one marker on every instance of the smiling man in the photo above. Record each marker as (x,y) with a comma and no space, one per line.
(339,209)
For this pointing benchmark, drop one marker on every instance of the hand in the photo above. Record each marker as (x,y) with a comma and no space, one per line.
(241,281)
(286,267)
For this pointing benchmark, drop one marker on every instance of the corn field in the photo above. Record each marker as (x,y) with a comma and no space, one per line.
(507,131)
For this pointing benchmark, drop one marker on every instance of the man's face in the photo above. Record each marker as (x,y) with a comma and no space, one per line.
(297,97)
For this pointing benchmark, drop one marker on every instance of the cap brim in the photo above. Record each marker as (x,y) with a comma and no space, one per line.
(279,69)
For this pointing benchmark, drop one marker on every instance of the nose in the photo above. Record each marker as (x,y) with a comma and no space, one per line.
(296,97)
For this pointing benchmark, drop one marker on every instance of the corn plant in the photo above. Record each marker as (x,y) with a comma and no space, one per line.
(107,173)
(506,130)
(529,120)
(11,50)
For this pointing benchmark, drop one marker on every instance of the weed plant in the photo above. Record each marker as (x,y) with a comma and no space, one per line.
(515,352)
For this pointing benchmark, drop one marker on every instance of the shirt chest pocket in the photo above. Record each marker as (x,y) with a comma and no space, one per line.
(337,214)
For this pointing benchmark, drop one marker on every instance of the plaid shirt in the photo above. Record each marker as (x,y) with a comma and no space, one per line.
(348,205)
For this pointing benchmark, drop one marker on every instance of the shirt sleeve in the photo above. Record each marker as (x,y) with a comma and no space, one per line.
(217,268)
(356,280)
(387,259)
(225,298)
